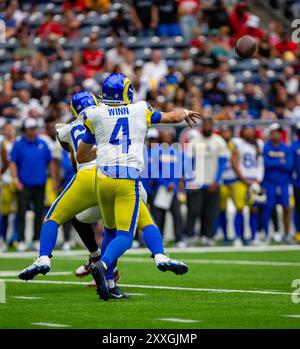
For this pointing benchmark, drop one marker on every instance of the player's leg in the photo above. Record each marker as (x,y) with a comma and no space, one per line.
(153,240)
(268,207)
(77,196)
(121,213)
(297,212)
(224,196)
(240,196)
(105,188)
(284,201)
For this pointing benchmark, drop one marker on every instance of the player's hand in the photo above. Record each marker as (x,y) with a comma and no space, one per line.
(192,117)
(213,187)
(19,186)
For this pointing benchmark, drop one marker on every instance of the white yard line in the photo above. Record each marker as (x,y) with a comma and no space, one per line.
(141,251)
(48,324)
(13,273)
(214,290)
(217,261)
(25,297)
(180,320)
(292,316)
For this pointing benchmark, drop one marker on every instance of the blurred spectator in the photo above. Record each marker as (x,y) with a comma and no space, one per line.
(28,106)
(154,70)
(216,15)
(75,5)
(165,14)
(239,16)
(188,10)
(251,28)
(30,158)
(120,24)
(254,100)
(24,52)
(214,93)
(70,25)
(49,26)
(285,45)
(291,81)
(93,57)
(142,12)
(185,62)
(52,50)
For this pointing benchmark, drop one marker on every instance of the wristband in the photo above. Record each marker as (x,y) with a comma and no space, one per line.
(186,112)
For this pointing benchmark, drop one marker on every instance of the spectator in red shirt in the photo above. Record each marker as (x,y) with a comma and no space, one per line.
(49,26)
(251,28)
(239,16)
(93,57)
(285,44)
(188,11)
(76,5)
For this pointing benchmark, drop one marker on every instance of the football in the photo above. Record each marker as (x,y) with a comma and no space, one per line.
(245,46)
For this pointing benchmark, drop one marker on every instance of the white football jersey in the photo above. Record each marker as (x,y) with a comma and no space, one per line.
(72,134)
(250,163)
(119,133)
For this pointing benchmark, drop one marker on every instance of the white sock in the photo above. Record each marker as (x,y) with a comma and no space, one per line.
(111,283)
(95,254)
(160,258)
(105,266)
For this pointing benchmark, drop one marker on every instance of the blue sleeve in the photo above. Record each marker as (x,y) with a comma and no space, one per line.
(221,167)
(88,137)
(14,154)
(289,159)
(48,154)
(156,117)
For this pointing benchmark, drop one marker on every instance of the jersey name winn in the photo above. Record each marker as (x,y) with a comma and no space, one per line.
(119,133)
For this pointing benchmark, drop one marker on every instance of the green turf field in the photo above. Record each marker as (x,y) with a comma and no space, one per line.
(221,290)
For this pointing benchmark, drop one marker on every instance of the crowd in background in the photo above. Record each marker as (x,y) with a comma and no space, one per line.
(177,54)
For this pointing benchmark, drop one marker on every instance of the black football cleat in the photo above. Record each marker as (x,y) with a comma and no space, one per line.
(117,293)
(98,271)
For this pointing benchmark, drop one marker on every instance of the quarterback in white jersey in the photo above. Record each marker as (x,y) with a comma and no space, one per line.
(79,198)
(118,127)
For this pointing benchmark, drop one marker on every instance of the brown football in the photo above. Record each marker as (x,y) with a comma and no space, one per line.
(245,46)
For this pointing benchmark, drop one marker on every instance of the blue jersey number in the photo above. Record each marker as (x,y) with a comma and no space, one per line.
(249,160)
(77,134)
(122,124)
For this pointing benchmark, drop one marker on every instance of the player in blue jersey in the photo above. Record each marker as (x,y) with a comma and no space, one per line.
(296,180)
(277,178)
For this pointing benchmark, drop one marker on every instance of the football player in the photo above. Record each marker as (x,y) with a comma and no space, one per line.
(247,162)
(296,180)
(278,159)
(118,127)
(229,179)
(79,197)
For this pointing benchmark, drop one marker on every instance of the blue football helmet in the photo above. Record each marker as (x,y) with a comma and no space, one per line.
(82,100)
(117,89)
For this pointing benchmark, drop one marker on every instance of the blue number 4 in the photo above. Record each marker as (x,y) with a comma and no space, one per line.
(122,124)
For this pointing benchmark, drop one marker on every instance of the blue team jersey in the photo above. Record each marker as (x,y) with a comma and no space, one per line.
(296,163)
(278,163)
(32,159)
